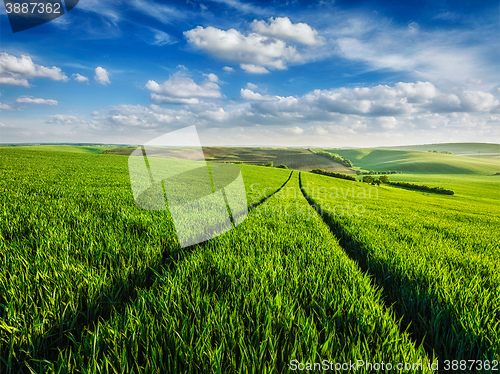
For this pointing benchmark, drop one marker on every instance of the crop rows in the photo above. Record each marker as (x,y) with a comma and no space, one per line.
(437,257)
(90,283)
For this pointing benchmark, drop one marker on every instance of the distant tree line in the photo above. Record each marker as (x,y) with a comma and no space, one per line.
(382,179)
(423,188)
(434,151)
(335,157)
(335,175)
(269,164)
(371,172)
(386,180)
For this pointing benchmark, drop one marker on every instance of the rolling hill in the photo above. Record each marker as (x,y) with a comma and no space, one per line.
(409,161)
(462,149)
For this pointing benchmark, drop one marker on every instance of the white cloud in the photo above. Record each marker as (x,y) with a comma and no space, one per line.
(80,78)
(180,89)
(282,28)
(161,38)
(243,7)
(17,70)
(254,96)
(419,92)
(388,123)
(377,101)
(34,100)
(227,69)
(254,69)
(63,119)
(295,130)
(212,77)
(101,76)
(256,53)
(6,107)
(413,27)
(474,80)
(478,101)
(163,13)
(252,86)
(443,55)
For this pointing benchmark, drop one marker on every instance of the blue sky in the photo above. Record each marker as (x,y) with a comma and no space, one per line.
(283,73)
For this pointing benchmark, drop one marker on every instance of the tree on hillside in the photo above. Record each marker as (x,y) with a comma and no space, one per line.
(384,179)
(368,179)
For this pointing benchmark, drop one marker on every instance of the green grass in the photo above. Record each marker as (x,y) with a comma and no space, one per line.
(416,162)
(90,283)
(67,148)
(437,257)
(479,188)
(464,149)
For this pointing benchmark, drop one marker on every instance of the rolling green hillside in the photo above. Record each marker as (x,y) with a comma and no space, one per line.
(462,149)
(418,162)
(95,149)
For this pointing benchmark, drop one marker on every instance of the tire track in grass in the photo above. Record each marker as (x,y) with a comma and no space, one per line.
(280,288)
(363,263)
(253,206)
(113,299)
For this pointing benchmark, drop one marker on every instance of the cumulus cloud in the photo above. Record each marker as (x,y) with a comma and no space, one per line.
(6,107)
(80,78)
(295,130)
(228,69)
(282,28)
(180,89)
(17,70)
(388,123)
(478,101)
(63,119)
(377,101)
(254,96)
(101,76)
(35,100)
(256,53)
(254,69)
(252,86)
(212,77)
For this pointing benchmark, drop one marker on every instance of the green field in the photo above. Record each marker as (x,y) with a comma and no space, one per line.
(97,149)
(367,159)
(463,149)
(91,283)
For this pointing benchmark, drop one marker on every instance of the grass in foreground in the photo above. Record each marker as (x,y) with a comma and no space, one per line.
(437,256)
(91,283)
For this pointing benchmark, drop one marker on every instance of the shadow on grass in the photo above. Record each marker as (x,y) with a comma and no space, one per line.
(113,298)
(422,314)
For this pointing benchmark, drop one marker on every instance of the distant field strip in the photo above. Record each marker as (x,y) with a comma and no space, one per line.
(298,159)
(437,257)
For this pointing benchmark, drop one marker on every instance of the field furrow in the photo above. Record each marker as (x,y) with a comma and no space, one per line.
(437,257)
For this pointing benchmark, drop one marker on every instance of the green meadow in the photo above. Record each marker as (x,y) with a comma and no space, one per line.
(412,162)
(321,269)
